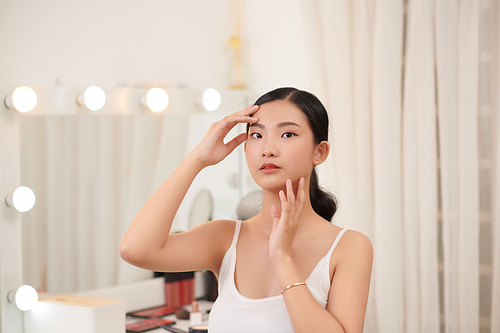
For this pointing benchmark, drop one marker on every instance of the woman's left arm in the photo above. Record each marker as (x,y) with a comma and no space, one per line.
(349,288)
(345,311)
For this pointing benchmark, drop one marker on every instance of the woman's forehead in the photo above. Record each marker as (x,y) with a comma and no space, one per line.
(279,111)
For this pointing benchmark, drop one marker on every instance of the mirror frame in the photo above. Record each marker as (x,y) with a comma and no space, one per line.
(62,100)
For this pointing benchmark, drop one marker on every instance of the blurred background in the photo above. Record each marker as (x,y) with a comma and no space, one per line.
(411,88)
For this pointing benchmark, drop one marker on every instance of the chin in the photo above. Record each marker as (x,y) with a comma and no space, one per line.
(275,184)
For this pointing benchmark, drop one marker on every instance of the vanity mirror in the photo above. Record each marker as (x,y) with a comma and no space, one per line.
(93,170)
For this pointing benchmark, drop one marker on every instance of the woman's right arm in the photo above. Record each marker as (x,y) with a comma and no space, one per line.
(148,243)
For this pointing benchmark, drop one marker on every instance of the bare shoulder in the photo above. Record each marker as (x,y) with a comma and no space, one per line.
(200,248)
(356,239)
(355,244)
(221,231)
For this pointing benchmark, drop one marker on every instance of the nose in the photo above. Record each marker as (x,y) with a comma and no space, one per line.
(269,149)
(267,153)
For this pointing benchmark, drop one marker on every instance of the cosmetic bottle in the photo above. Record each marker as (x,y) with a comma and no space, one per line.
(179,288)
(195,317)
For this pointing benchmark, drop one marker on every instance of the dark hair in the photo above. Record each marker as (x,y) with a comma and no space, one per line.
(323,203)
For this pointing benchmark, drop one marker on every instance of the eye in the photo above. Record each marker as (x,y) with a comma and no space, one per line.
(288,135)
(256,135)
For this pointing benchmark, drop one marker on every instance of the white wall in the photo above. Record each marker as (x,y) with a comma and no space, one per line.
(276,46)
(178,42)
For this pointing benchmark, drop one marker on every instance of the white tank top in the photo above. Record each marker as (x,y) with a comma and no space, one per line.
(233,312)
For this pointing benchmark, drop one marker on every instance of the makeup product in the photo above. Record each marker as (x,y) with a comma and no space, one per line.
(179,288)
(148,324)
(198,329)
(196,317)
(154,312)
(182,314)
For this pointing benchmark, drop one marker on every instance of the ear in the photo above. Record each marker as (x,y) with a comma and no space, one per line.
(321,152)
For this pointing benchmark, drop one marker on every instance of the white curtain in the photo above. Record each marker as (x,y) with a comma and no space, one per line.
(92,174)
(494,95)
(420,181)
(401,81)
(457,51)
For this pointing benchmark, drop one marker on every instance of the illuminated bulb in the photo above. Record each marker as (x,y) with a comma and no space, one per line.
(23,99)
(93,98)
(210,99)
(25,297)
(157,99)
(22,199)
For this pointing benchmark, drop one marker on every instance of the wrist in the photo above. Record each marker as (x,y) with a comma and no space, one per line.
(293,285)
(282,261)
(194,160)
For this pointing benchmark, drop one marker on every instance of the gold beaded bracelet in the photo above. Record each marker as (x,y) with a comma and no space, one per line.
(293,285)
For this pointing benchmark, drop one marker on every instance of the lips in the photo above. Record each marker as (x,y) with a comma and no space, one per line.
(269,167)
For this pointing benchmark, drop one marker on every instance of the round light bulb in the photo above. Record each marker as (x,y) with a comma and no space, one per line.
(25,297)
(22,199)
(24,99)
(210,99)
(157,99)
(94,98)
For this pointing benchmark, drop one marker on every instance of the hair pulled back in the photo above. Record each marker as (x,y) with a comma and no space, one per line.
(323,203)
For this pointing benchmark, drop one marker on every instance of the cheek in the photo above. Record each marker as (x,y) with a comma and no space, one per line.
(250,156)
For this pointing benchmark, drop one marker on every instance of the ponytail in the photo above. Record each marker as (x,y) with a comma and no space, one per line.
(323,203)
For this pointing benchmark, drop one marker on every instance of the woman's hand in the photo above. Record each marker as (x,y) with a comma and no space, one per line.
(212,149)
(285,223)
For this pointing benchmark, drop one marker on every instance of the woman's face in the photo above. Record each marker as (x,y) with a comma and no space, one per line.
(280,145)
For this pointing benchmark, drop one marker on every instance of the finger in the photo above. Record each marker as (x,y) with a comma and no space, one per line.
(236,141)
(285,207)
(252,108)
(232,120)
(301,195)
(275,211)
(224,126)
(290,196)
(245,114)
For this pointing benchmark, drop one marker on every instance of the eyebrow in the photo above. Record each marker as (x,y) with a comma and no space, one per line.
(282,124)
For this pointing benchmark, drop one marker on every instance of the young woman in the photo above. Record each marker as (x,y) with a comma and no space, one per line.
(288,269)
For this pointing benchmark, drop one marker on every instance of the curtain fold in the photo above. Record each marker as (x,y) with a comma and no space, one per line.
(495,304)
(457,73)
(495,112)
(420,172)
(387,173)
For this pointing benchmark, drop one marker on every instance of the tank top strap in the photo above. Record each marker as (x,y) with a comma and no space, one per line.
(335,242)
(236,235)
(225,268)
